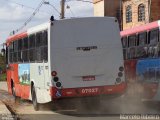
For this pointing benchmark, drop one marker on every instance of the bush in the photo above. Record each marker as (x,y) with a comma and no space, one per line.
(2,77)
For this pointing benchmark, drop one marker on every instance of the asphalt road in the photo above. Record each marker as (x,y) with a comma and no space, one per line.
(109,109)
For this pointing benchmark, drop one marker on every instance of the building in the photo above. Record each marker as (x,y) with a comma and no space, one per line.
(107,8)
(134,12)
(139,12)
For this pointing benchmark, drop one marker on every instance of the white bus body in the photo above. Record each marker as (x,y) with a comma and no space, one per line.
(84,56)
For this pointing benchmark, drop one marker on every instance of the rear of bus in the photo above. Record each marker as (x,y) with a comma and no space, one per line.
(86,58)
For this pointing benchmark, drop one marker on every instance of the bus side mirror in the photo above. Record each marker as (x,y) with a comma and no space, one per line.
(3,52)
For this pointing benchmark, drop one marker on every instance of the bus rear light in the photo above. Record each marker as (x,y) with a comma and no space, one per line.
(55,79)
(121,68)
(120,74)
(58,84)
(118,80)
(54,73)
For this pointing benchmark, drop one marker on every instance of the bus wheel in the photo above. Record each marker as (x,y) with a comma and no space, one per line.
(16,99)
(34,99)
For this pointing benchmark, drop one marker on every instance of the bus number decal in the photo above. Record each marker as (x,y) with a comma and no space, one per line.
(89,90)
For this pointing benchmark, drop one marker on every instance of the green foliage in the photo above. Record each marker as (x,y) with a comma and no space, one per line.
(2,62)
(3,77)
(2,68)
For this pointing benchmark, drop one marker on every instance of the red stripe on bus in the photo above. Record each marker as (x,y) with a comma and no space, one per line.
(15,37)
(138,29)
(77,92)
(22,91)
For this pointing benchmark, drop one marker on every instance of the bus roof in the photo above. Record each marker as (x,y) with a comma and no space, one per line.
(16,36)
(38,28)
(142,28)
(27,32)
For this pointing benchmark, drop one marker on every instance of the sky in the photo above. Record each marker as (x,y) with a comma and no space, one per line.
(14,13)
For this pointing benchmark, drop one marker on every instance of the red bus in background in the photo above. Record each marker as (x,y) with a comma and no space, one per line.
(141,49)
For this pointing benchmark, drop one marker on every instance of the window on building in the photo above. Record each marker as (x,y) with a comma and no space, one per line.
(141,12)
(128,14)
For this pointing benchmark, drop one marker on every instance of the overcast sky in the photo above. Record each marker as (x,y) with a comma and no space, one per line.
(13,15)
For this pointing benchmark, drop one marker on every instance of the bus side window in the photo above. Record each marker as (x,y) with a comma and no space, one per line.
(141,51)
(25,50)
(142,39)
(11,52)
(159,35)
(39,44)
(32,50)
(153,37)
(131,43)
(132,40)
(153,41)
(7,50)
(124,42)
(45,48)
(124,45)
(39,41)
(15,51)
(19,50)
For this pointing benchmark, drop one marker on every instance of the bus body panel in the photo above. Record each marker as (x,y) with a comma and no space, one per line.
(145,71)
(86,54)
(72,62)
(37,74)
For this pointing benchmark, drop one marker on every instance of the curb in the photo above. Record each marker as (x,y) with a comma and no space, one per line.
(3,109)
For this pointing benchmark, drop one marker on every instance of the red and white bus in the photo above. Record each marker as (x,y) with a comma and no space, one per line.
(71,58)
(141,48)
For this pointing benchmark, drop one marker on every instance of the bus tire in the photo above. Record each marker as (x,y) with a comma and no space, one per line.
(16,99)
(34,99)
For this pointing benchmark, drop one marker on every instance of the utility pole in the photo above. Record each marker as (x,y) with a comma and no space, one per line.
(62,16)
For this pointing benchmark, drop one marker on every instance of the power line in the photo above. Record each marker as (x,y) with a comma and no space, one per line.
(47,3)
(63,6)
(31,17)
(22,5)
(68,7)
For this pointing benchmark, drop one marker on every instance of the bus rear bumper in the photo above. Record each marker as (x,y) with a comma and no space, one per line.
(88,91)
